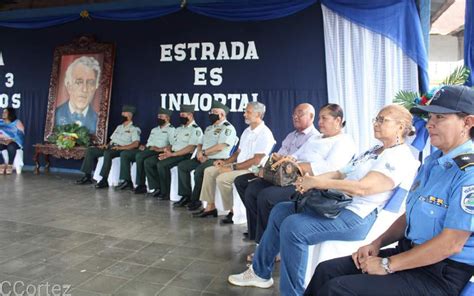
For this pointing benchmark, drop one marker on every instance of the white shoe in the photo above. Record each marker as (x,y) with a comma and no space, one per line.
(248,278)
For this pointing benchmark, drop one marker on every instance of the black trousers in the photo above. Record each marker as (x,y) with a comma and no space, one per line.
(340,277)
(11,148)
(259,198)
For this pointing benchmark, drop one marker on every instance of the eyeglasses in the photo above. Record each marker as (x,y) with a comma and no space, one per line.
(299,114)
(381,120)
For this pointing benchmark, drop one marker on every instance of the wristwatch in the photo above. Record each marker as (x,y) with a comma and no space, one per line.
(232,166)
(386,265)
(203,152)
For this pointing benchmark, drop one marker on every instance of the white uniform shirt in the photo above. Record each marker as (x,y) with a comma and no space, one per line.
(260,140)
(326,154)
(397,163)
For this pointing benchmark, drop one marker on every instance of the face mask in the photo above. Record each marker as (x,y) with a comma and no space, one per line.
(183,120)
(213,118)
(124,118)
(161,122)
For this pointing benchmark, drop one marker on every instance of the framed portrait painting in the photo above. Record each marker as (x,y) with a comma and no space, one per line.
(80,87)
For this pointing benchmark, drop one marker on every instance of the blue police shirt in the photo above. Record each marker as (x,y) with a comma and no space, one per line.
(442,196)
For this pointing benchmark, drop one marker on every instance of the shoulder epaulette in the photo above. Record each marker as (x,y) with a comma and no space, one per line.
(226,123)
(195,125)
(464,160)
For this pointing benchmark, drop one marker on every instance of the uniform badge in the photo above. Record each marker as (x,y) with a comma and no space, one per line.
(198,133)
(467,199)
(436,95)
(228,132)
(389,167)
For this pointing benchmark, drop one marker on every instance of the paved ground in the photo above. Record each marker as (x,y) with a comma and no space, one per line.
(112,242)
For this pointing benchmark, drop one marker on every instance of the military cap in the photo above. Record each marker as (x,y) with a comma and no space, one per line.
(187,108)
(129,108)
(218,105)
(165,111)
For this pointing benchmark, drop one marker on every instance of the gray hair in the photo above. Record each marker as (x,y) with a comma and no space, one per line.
(89,62)
(258,107)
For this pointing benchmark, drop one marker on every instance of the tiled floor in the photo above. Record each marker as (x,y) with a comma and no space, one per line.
(105,242)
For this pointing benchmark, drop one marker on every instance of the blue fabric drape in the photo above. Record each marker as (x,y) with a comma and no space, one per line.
(394,19)
(250,11)
(421,136)
(469,39)
(396,200)
(40,22)
(135,14)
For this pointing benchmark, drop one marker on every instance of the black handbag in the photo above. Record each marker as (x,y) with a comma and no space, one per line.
(326,203)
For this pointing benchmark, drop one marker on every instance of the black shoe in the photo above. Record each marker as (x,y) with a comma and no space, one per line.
(247,239)
(194,205)
(163,197)
(228,219)
(156,193)
(198,212)
(246,234)
(205,214)
(182,202)
(140,189)
(124,185)
(84,180)
(102,184)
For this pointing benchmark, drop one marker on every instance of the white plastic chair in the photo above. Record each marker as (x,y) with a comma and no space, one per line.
(327,250)
(17,162)
(114,173)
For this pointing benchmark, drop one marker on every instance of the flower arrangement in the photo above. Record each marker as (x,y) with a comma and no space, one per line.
(69,136)
(410,99)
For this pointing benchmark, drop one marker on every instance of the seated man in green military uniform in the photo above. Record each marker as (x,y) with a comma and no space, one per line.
(125,137)
(218,141)
(185,140)
(159,139)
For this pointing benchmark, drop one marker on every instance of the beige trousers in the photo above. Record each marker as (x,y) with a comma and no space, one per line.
(224,182)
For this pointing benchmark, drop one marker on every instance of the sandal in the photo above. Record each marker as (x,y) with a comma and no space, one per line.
(250,257)
(9,169)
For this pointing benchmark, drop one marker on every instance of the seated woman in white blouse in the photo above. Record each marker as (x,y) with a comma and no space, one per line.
(328,151)
(369,179)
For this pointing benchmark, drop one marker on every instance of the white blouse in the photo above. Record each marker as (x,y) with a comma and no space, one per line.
(326,154)
(397,163)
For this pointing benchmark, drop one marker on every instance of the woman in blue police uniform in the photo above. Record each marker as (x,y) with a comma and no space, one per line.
(435,253)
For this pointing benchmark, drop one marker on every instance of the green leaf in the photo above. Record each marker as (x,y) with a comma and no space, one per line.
(406,98)
(61,130)
(458,77)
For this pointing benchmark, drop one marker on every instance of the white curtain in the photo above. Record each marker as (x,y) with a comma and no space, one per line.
(364,72)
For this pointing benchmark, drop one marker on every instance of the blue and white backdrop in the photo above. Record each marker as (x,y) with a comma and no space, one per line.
(306,51)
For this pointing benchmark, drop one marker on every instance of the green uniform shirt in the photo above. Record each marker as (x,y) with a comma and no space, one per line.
(125,135)
(161,136)
(185,136)
(218,134)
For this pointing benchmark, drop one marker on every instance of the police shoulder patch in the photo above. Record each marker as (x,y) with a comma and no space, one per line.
(228,132)
(467,199)
(464,161)
(198,133)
